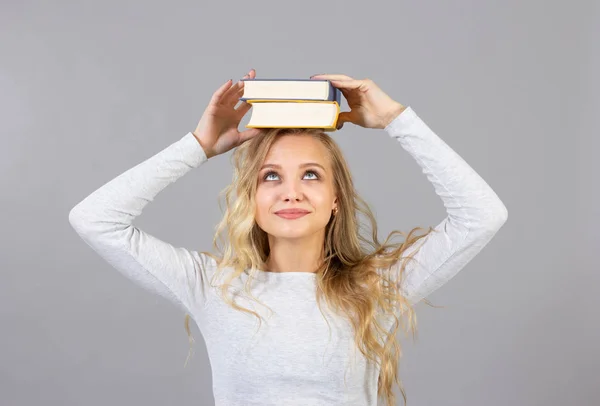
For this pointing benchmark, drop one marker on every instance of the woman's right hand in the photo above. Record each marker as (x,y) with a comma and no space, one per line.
(217,131)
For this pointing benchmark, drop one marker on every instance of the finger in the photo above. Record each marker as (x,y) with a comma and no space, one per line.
(336,76)
(348,84)
(218,94)
(344,117)
(232,95)
(242,109)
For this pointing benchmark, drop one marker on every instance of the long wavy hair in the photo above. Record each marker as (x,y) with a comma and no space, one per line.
(355,276)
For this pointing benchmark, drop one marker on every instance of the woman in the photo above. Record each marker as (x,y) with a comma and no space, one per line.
(289,263)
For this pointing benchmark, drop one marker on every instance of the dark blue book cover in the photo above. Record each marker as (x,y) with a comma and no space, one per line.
(334,93)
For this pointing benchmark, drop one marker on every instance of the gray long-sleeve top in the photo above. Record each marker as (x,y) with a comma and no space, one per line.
(296,358)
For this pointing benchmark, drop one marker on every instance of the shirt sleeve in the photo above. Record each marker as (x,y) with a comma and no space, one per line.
(104,220)
(474,211)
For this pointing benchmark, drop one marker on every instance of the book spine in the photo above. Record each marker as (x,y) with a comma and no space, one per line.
(335,94)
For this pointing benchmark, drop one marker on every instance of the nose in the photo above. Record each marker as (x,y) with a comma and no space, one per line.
(293,190)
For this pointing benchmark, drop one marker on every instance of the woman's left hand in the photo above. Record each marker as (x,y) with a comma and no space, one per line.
(369,106)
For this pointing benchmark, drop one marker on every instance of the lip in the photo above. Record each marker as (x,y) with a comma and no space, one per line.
(291,213)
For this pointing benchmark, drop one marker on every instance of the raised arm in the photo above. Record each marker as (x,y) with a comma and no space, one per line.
(475,213)
(104,220)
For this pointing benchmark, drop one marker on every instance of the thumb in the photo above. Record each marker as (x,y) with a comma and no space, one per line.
(248,134)
(343,117)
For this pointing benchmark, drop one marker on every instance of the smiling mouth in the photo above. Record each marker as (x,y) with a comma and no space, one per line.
(292,215)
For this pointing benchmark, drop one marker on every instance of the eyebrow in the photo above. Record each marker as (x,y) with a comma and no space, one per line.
(301,166)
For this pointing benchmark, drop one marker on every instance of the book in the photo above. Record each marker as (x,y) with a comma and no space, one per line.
(290,89)
(292,103)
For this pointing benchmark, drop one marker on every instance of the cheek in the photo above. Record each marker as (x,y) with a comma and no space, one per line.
(323,195)
(264,202)
(262,196)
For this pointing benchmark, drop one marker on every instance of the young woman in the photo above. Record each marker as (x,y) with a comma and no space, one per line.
(293,239)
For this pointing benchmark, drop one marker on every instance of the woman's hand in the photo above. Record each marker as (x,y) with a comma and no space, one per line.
(217,131)
(369,106)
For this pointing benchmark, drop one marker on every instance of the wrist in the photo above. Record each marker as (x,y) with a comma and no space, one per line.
(206,152)
(394,111)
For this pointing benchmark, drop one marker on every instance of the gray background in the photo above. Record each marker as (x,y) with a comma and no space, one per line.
(90,89)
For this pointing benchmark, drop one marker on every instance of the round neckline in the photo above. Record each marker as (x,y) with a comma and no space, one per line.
(282,274)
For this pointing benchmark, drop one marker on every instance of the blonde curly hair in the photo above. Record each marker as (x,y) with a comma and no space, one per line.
(357,280)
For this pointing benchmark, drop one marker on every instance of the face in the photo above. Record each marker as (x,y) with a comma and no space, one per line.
(300,177)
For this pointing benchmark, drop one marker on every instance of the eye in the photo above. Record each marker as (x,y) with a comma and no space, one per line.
(275,173)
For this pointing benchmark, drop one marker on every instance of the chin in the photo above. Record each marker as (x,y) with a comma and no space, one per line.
(289,230)
(289,233)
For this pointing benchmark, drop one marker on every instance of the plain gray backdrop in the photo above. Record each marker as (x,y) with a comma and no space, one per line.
(91,89)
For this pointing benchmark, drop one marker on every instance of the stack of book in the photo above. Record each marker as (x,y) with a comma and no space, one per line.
(292,103)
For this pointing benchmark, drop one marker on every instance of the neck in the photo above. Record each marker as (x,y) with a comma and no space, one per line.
(295,255)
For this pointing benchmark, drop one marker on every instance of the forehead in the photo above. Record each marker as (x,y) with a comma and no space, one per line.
(292,149)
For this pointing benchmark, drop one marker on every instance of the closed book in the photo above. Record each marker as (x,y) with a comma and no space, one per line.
(290,89)
(294,114)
